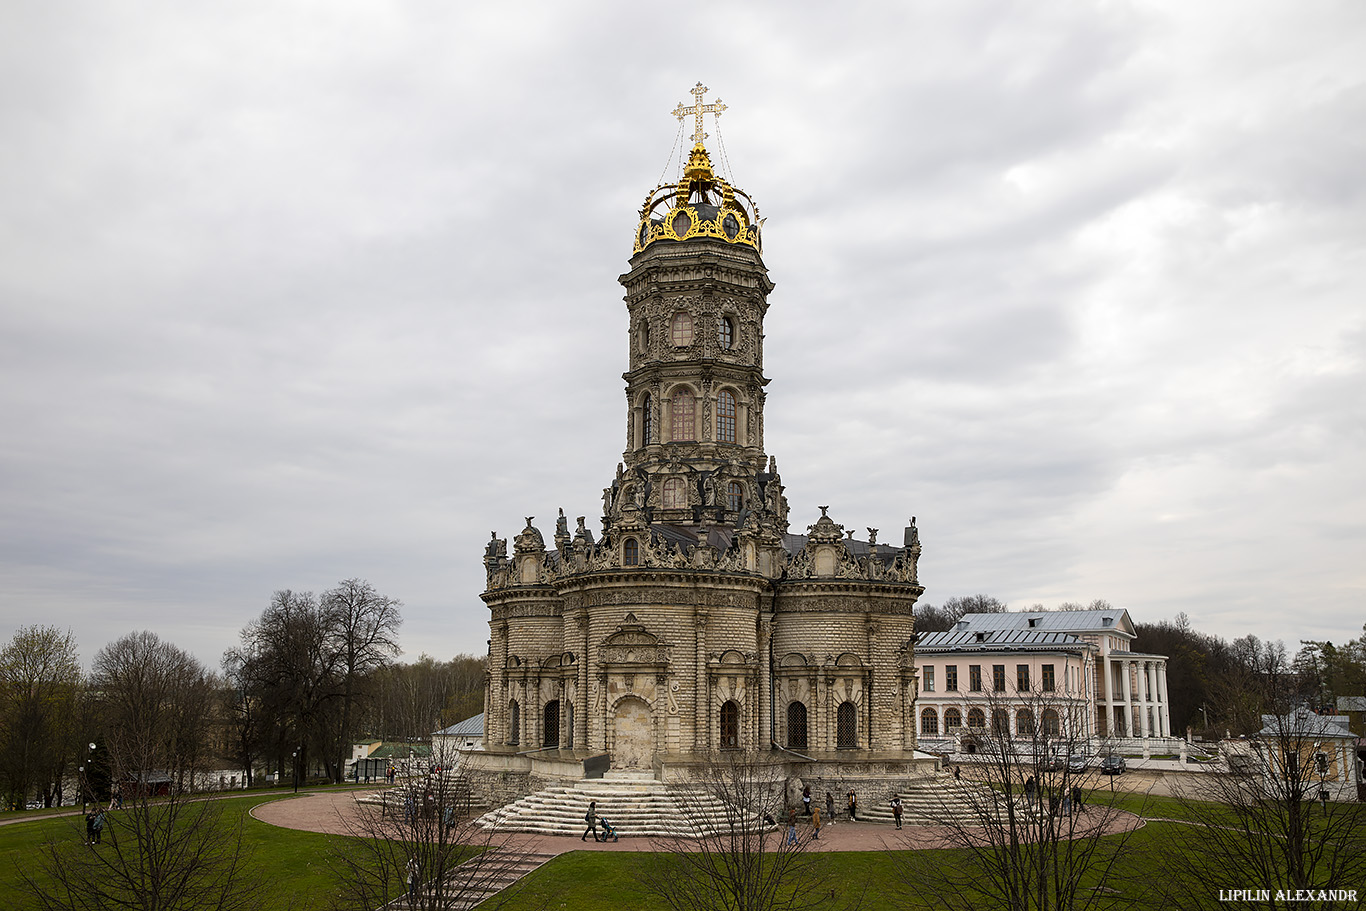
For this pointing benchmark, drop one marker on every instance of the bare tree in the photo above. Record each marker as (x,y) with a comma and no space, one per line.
(731,850)
(40,684)
(364,629)
(1264,828)
(423,828)
(1029,836)
(172,853)
(156,704)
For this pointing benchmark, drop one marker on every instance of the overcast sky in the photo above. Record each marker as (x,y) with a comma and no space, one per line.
(296,292)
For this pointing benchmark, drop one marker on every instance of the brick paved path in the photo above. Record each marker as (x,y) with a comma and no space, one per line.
(326,812)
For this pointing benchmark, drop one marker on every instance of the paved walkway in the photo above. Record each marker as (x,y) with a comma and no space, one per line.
(328,812)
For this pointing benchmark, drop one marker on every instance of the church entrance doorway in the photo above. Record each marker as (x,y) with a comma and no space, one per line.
(633,732)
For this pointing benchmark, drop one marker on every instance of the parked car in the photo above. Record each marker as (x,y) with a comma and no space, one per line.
(1077,763)
(1112,764)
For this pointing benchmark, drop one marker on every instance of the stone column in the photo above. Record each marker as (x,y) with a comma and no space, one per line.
(583,709)
(765,687)
(1143,688)
(701,693)
(1162,710)
(1128,698)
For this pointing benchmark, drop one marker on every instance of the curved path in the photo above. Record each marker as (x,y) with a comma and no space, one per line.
(328,811)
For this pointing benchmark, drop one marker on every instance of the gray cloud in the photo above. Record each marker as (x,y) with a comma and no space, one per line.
(291,293)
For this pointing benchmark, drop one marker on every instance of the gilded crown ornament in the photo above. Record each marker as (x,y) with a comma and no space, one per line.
(701,204)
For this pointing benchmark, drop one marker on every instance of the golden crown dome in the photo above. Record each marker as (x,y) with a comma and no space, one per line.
(702,204)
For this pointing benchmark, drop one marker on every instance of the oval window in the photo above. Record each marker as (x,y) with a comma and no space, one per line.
(731,225)
(681,224)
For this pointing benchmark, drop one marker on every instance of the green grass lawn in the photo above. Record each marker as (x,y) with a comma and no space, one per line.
(296,866)
(292,863)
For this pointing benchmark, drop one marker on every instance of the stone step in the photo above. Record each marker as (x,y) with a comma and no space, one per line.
(511,867)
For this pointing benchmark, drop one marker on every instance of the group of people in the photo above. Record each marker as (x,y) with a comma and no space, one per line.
(814,812)
(1067,803)
(94,826)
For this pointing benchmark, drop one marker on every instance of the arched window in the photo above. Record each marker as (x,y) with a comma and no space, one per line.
(684,424)
(976,719)
(735,496)
(725,417)
(630,553)
(1000,722)
(680,330)
(647,421)
(550,736)
(929,723)
(730,725)
(514,723)
(725,333)
(675,494)
(846,726)
(953,720)
(796,725)
(1050,722)
(1024,722)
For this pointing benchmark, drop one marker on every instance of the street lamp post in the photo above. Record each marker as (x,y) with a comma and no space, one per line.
(84,779)
(296,771)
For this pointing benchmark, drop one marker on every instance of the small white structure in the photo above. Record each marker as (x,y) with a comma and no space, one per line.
(1317,750)
(463,735)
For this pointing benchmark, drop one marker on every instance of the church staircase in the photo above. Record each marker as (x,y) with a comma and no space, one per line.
(934,801)
(636,807)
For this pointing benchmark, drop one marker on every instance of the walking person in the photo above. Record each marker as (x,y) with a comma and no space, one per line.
(792,826)
(806,800)
(98,827)
(1076,799)
(816,822)
(591,817)
(1031,789)
(896,809)
(853,806)
(830,807)
(90,828)
(414,878)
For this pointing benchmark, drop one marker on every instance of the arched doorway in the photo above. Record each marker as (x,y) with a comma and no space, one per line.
(633,734)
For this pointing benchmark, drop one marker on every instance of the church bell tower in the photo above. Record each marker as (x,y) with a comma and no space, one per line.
(697,293)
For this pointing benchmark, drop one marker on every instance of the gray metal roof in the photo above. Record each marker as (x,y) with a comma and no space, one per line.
(1109,620)
(1305,723)
(998,640)
(470,727)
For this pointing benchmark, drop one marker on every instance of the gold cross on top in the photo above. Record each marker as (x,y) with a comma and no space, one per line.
(697,109)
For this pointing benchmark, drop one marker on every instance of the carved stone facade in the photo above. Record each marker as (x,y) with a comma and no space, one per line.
(697,622)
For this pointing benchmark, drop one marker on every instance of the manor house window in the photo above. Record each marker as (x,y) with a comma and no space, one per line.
(975,678)
(1022,678)
(929,723)
(928,676)
(1046,678)
(951,677)
(998,678)
(953,720)
(846,726)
